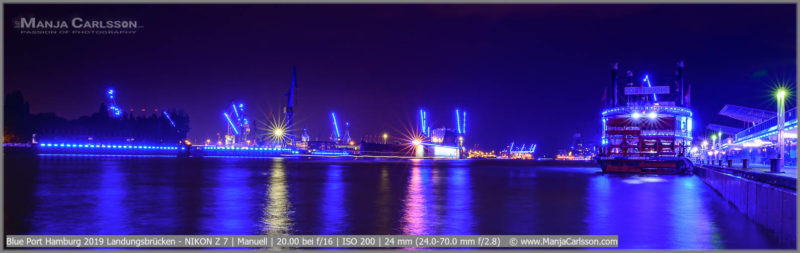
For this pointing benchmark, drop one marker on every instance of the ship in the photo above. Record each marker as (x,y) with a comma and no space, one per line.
(647,130)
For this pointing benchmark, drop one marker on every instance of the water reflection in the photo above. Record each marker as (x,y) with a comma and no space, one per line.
(111,192)
(90,195)
(418,218)
(276,216)
(640,208)
(686,221)
(458,218)
(332,206)
(383,201)
(228,213)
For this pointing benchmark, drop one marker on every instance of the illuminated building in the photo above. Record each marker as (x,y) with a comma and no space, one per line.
(757,143)
(578,150)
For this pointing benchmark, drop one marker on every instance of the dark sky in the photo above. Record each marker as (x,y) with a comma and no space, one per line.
(525,73)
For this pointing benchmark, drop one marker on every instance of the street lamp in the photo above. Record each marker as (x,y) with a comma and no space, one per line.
(385,135)
(781,95)
(704,154)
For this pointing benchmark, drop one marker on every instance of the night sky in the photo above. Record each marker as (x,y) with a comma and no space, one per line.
(525,73)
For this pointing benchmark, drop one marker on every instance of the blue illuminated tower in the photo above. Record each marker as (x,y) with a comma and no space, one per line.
(113,109)
(461,122)
(424,126)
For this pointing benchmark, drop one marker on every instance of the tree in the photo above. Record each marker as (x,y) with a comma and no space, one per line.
(16,118)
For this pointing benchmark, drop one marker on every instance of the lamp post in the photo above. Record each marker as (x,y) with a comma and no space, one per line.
(385,135)
(781,94)
(704,150)
(713,145)
(719,137)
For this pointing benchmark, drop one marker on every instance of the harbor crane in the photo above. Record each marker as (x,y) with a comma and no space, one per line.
(238,125)
(113,109)
(289,109)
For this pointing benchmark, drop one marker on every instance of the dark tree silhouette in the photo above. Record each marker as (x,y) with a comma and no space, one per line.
(99,127)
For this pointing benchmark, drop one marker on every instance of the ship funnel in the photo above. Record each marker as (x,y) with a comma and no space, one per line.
(679,79)
(614,68)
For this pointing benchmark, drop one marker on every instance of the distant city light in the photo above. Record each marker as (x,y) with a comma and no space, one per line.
(652,115)
(416,142)
(636,115)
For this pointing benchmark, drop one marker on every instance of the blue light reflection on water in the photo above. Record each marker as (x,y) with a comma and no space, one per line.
(333,202)
(160,195)
(418,217)
(227,211)
(111,193)
(458,216)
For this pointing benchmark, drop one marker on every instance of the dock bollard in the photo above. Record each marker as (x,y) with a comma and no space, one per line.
(730,163)
(773,165)
(744,163)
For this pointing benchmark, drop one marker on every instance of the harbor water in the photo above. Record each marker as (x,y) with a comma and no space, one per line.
(128,195)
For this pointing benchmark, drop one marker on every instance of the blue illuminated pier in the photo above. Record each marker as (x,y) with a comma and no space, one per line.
(107,149)
(194,151)
(200,151)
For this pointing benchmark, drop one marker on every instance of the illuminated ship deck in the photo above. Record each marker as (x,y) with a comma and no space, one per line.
(646,131)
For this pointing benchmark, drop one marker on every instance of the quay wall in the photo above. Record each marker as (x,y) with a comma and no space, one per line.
(772,206)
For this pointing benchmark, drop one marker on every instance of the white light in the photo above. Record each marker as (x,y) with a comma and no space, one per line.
(652,115)
(636,115)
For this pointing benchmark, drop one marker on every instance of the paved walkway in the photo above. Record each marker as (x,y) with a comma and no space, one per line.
(788,171)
